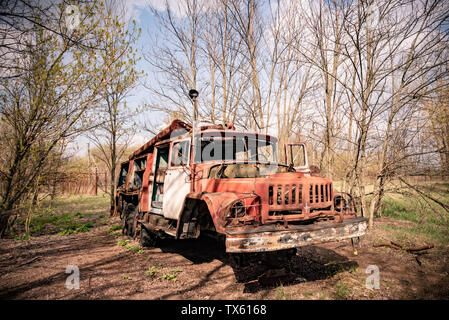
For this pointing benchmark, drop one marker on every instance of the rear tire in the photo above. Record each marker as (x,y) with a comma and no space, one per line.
(128,220)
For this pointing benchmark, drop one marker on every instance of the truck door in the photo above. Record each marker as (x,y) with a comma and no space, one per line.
(157,177)
(177,179)
(296,156)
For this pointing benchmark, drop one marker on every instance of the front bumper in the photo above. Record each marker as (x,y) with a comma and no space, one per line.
(272,238)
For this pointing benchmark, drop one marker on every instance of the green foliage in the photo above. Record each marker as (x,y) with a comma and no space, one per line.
(343,292)
(400,209)
(126,277)
(353,268)
(22,237)
(171,276)
(135,249)
(122,243)
(121,75)
(115,228)
(51,99)
(62,216)
(427,219)
(76,228)
(152,271)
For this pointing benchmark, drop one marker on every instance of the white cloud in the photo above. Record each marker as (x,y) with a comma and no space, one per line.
(134,8)
(177,7)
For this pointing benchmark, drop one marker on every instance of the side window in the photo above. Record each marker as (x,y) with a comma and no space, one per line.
(162,158)
(122,176)
(139,169)
(180,154)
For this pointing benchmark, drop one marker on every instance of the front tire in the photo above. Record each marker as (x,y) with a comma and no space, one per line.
(147,238)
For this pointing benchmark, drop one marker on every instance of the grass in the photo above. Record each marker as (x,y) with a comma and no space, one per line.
(135,249)
(281,294)
(399,208)
(353,269)
(343,291)
(306,294)
(428,221)
(153,270)
(171,276)
(64,216)
(114,228)
(76,228)
(113,231)
(122,242)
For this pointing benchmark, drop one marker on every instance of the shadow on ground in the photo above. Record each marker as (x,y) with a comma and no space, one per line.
(257,271)
(36,270)
(202,250)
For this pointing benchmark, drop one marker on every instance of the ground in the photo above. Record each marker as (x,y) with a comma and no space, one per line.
(113,267)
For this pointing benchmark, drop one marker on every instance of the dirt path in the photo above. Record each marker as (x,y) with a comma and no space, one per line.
(36,270)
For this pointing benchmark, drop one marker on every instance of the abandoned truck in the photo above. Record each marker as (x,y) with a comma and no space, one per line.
(216,180)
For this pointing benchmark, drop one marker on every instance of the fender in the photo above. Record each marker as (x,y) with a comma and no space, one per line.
(218,204)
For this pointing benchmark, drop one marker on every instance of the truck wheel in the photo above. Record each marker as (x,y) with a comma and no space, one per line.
(131,223)
(128,220)
(147,238)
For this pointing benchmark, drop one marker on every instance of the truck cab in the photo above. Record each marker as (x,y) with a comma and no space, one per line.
(215,180)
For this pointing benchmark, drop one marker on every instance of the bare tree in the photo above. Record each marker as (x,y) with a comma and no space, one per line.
(114,134)
(174,56)
(221,46)
(384,58)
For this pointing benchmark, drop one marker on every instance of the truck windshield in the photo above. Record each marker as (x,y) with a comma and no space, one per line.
(235,148)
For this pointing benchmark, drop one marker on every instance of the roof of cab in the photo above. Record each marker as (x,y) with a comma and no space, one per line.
(183,127)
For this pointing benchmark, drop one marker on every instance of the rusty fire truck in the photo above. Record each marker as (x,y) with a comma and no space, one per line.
(217,180)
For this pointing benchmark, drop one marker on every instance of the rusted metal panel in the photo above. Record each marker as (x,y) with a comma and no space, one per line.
(144,191)
(164,134)
(272,239)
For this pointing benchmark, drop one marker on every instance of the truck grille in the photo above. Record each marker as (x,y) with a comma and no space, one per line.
(292,195)
(285,194)
(320,193)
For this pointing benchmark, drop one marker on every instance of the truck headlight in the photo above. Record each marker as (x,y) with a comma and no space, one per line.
(238,210)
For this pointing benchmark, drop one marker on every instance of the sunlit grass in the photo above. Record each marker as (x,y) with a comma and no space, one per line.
(428,218)
(65,216)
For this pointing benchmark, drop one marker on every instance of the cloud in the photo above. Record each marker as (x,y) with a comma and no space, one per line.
(134,8)
(177,7)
